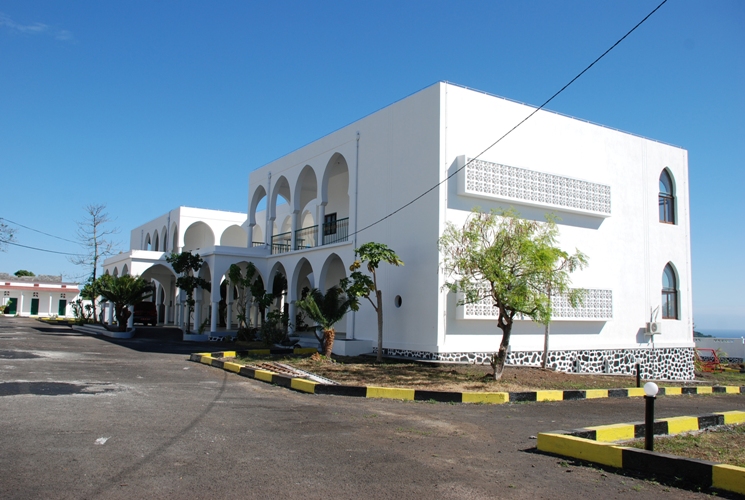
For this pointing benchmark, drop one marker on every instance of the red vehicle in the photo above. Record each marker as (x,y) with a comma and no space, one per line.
(146,313)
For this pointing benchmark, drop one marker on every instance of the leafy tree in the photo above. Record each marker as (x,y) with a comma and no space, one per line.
(261,298)
(242,283)
(7,235)
(95,238)
(326,309)
(23,272)
(123,291)
(512,262)
(187,265)
(362,285)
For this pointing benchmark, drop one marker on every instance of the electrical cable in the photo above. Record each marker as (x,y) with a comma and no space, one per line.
(39,249)
(516,126)
(37,231)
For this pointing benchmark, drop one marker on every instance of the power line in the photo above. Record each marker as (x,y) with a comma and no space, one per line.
(39,249)
(41,232)
(516,126)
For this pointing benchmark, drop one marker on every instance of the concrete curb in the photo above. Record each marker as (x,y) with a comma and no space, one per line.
(594,444)
(311,387)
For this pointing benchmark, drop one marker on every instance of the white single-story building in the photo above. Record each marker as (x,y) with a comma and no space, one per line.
(43,296)
(621,199)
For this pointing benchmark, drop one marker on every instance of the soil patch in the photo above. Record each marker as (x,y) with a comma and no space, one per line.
(363,371)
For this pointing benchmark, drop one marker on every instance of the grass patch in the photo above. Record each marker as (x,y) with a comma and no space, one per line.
(725,444)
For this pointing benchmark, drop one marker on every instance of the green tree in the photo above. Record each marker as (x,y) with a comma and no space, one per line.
(187,265)
(327,309)
(23,272)
(242,283)
(95,238)
(512,262)
(363,285)
(123,291)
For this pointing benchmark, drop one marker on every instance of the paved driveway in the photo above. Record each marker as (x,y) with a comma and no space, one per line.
(91,418)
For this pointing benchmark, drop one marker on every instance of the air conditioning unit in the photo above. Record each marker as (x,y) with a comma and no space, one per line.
(653,328)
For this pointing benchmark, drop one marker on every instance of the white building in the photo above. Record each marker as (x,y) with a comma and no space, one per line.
(43,296)
(621,199)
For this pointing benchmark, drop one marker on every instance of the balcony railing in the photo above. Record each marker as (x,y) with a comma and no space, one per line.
(334,232)
(257,244)
(307,237)
(281,243)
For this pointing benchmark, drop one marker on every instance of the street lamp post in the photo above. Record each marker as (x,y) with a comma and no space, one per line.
(650,394)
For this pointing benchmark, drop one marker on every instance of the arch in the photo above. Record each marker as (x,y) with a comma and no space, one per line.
(667,197)
(174,238)
(670,292)
(146,245)
(306,188)
(198,235)
(125,270)
(258,236)
(115,274)
(335,200)
(332,272)
(286,224)
(156,243)
(259,194)
(234,236)
(164,239)
(281,190)
(302,277)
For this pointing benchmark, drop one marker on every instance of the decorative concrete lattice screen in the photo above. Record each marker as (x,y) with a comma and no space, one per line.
(598,306)
(492,180)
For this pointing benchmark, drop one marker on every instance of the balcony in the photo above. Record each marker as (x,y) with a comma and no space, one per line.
(333,232)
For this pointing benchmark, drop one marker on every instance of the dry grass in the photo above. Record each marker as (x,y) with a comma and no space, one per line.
(364,371)
(724,444)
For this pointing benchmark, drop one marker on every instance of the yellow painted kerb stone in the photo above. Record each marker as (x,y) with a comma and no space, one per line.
(676,425)
(207,360)
(549,395)
(728,477)
(636,392)
(264,375)
(732,417)
(583,449)
(673,391)
(232,367)
(704,390)
(596,393)
(390,393)
(300,384)
(486,397)
(614,432)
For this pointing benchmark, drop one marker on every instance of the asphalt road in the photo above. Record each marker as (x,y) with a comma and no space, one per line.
(86,417)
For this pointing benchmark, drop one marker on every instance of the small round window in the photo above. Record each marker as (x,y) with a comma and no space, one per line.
(397,301)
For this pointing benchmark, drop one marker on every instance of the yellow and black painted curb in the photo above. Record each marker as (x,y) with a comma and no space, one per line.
(311,387)
(596,444)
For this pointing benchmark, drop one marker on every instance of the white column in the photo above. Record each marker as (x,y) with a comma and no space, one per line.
(131,320)
(292,310)
(50,304)
(110,308)
(20,306)
(251,235)
(197,314)
(321,217)
(293,224)
(215,314)
(158,303)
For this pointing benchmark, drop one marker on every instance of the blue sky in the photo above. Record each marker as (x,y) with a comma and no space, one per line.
(145,106)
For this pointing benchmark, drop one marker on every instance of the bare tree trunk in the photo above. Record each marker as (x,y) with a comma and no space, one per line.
(328,341)
(545,345)
(379,297)
(498,359)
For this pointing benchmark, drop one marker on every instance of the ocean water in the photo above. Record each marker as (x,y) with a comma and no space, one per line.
(724,334)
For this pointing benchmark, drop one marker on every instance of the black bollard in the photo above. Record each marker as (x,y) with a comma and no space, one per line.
(638,375)
(649,423)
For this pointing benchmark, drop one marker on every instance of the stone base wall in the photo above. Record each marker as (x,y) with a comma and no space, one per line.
(674,363)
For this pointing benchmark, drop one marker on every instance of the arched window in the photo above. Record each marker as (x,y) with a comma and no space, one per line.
(669,293)
(667,198)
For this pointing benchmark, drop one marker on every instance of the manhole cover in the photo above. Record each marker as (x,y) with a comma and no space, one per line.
(18,355)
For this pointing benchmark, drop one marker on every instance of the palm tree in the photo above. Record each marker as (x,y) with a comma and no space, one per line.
(124,291)
(326,310)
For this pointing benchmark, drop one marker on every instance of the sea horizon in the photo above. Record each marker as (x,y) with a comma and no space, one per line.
(722,334)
